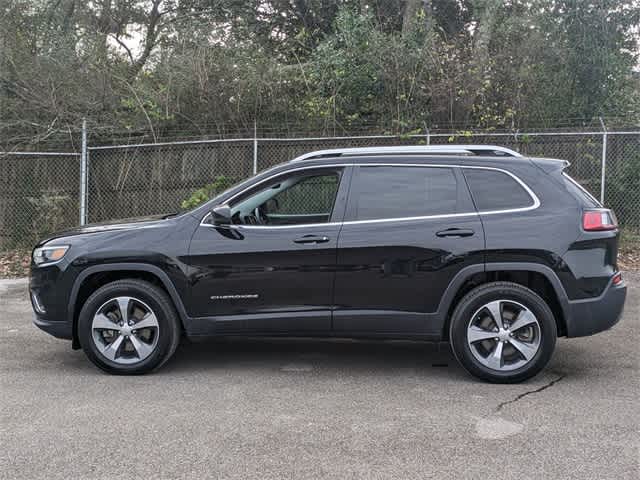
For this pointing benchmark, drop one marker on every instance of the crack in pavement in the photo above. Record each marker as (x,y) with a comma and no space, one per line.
(530,392)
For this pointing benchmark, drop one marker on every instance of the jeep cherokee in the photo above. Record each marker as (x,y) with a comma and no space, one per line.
(497,253)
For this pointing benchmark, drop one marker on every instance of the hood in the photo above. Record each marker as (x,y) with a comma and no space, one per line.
(126,224)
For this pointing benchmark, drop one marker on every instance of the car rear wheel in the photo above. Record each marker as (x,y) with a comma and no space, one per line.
(503,332)
(128,327)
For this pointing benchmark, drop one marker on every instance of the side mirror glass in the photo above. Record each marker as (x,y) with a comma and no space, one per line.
(221,215)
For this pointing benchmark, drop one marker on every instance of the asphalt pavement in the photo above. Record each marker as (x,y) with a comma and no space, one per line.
(290,409)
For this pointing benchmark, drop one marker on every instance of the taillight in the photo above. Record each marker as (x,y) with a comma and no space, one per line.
(599,220)
(617,279)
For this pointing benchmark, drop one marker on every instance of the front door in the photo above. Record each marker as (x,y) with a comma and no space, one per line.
(272,270)
(407,231)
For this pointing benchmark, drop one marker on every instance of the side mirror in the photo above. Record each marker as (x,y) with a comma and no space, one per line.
(221,215)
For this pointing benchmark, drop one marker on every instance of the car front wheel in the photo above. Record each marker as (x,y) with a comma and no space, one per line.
(503,332)
(128,327)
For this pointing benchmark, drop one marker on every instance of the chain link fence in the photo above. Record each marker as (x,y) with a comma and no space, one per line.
(622,180)
(40,191)
(39,194)
(583,150)
(134,181)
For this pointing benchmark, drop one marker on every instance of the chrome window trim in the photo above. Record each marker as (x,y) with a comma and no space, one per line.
(533,206)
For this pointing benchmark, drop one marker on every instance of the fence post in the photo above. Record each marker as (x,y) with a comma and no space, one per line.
(428,134)
(604,160)
(83,175)
(255,147)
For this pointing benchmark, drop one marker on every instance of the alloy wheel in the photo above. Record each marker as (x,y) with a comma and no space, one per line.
(504,335)
(125,330)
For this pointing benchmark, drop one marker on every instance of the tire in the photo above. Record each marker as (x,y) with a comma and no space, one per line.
(524,351)
(123,349)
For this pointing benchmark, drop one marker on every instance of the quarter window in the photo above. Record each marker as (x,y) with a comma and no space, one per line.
(578,191)
(396,192)
(495,190)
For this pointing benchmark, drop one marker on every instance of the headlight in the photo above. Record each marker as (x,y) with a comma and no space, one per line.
(46,255)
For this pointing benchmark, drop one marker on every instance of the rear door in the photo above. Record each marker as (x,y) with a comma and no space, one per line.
(408,230)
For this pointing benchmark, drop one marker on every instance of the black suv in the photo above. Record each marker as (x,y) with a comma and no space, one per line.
(497,253)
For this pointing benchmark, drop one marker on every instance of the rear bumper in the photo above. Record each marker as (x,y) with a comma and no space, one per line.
(594,315)
(62,330)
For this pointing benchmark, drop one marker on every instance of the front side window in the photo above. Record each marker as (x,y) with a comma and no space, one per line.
(494,190)
(387,192)
(293,200)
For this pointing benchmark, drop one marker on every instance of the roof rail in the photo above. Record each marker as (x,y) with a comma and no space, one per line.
(488,150)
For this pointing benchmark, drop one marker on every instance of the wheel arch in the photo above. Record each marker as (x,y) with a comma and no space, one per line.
(539,278)
(94,277)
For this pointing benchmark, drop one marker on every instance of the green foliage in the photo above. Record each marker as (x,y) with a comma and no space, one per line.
(207,192)
(320,64)
(408,135)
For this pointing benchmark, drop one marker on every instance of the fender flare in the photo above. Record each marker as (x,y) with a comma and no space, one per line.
(111,267)
(466,273)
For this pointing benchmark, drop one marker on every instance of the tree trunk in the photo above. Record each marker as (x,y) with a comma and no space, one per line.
(485,15)
(151,36)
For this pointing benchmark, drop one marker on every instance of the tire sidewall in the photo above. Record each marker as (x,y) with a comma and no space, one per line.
(144,293)
(471,303)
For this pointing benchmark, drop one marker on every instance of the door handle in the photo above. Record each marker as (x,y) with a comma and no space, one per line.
(456,232)
(311,239)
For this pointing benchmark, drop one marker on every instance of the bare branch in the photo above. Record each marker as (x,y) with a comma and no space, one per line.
(141,104)
(123,45)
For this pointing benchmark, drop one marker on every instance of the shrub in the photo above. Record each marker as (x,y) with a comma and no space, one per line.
(205,193)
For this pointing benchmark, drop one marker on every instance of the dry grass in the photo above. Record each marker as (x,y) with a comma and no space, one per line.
(14,263)
(629,260)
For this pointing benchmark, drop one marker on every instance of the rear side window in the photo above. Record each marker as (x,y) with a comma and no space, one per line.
(396,192)
(495,190)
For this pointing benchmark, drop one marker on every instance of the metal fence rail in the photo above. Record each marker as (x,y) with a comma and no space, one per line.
(44,192)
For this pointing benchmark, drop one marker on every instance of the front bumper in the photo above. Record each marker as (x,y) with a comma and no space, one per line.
(594,315)
(49,288)
(58,329)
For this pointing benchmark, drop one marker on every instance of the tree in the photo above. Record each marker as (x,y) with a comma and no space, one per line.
(156,68)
